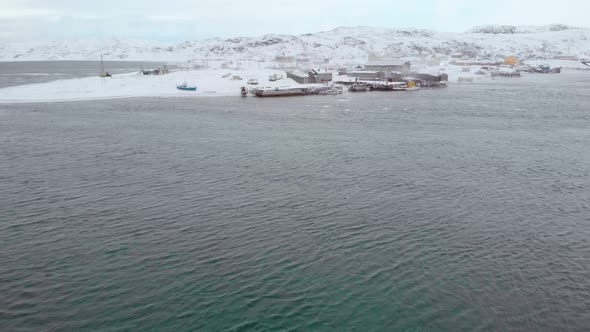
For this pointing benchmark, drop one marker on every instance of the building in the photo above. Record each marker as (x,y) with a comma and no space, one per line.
(511,60)
(299,77)
(567,57)
(310,77)
(389,66)
(320,76)
(284,59)
(158,71)
(302,62)
(430,78)
(366,75)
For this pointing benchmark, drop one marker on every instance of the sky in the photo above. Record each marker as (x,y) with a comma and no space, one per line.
(179,20)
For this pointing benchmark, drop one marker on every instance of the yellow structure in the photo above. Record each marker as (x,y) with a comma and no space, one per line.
(511,60)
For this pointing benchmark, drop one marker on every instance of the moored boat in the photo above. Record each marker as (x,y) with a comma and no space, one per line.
(185,87)
(410,86)
(505,73)
(465,79)
(546,69)
(358,88)
(406,88)
(103,73)
(279,92)
(335,90)
(386,86)
(253,81)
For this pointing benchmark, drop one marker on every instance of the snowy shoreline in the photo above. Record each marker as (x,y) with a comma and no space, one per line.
(210,83)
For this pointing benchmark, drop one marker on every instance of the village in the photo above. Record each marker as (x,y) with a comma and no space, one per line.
(316,75)
(300,75)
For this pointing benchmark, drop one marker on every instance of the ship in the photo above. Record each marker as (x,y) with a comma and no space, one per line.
(545,69)
(386,86)
(184,86)
(358,88)
(103,73)
(410,86)
(279,92)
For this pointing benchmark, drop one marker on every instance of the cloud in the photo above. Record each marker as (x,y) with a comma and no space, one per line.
(190,19)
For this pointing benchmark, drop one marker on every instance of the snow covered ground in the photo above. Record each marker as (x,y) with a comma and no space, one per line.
(345,44)
(208,82)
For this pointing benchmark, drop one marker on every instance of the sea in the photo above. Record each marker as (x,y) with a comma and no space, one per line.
(31,72)
(457,209)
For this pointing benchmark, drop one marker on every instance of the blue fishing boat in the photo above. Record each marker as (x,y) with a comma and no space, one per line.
(184,86)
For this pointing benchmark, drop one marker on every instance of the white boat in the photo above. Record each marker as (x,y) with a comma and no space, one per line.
(410,86)
(336,90)
(358,87)
(279,92)
(253,81)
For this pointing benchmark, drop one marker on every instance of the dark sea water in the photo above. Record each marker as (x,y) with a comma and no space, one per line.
(460,209)
(30,72)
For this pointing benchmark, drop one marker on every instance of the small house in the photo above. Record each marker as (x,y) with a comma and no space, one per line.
(320,76)
(389,66)
(366,75)
(299,77)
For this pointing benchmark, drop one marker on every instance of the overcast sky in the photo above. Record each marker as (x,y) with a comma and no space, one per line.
(178,20)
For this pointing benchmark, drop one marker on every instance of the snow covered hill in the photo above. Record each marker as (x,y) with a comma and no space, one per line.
(341,44)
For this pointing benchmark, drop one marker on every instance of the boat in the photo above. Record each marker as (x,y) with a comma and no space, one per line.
(236,78)
(406,88)
(244,91)
(410,86)
(103,73)
(358,88)
(386,86)
(381,87)
(184,86)
(253,81)
(546,69)
(279,92)
(465,79)
(335,90)
(413,88)
(505,73)
(226,75)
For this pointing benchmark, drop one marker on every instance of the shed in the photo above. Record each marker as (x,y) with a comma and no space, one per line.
(299,77)
(366,74)
(389,66)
